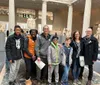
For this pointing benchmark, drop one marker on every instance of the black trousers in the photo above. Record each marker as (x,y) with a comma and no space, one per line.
(90,75)
(45,69)
(42,74)
(30,68)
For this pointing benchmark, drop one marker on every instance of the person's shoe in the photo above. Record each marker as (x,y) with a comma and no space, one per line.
(49,83)
(39,82)
(34,82)
(78,82)
(44,81)
(57,83)
(11,83)
(75,82)
(89,82)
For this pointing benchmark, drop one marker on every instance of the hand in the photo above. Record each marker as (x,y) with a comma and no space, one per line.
(10,61)
(39,59)
(60,45)
(50,65)
(93,61)
(33,57)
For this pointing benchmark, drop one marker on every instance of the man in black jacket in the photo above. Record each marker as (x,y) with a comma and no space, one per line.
(14,53)
(90,52)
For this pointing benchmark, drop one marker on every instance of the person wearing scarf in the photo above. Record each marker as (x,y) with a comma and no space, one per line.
(54,57)
(14,52)
(29,54)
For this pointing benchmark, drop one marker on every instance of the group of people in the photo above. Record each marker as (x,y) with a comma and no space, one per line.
(46,48)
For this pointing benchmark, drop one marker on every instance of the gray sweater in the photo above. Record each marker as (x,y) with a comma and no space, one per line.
(42,45)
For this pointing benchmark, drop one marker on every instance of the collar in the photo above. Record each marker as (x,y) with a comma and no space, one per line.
(17,36)
(48,37)
(55,46)
(67,46)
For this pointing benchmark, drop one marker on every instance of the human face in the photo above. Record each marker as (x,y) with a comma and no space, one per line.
(18,31)
(67,42)
(46,30)
(77,35)
(55,41)
(88,32)
(33,33)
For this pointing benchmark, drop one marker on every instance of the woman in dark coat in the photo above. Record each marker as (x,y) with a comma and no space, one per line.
(77,50)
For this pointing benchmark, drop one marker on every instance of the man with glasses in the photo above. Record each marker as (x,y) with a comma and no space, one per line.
(42,44)
(90,52)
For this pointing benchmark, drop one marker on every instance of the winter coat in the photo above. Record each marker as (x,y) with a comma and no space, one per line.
(29,47)
(75,49)
(90,50)
(14,47)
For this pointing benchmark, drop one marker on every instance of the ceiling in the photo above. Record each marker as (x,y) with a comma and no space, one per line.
(37,4)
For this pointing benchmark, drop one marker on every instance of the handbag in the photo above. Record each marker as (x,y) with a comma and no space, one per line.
(81,60)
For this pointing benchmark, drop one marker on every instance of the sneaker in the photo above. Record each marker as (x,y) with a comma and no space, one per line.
(78,82)
(89,82)
(49,84)
(64,83)
(11,83)
(56,83)
(39,82)
(44,81)
(75,82)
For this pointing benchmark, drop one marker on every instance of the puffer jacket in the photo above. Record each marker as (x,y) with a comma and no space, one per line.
(29,47)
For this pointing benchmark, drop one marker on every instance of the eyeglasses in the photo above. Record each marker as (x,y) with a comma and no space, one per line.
(46,28)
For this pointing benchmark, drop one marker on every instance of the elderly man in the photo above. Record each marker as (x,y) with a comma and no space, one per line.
(90,47)
(43,42)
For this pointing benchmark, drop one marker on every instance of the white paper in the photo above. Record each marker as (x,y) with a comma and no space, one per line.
(82,62)
(40,64)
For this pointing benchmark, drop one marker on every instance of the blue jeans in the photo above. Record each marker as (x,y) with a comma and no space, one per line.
(65,75)
(76,69)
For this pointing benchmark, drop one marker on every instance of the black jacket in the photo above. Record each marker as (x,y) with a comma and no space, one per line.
(12,52)
(75,48)
(90,50)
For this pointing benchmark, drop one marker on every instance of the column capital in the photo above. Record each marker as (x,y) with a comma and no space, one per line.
(69,5)
(44,0)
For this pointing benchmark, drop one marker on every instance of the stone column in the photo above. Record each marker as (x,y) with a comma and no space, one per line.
(87,16)
(44,13)
(11,14)
(70,17)
(37,18)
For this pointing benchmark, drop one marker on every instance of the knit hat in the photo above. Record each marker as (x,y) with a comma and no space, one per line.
(54,37)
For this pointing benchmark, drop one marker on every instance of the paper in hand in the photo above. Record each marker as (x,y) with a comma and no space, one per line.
(40,64)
